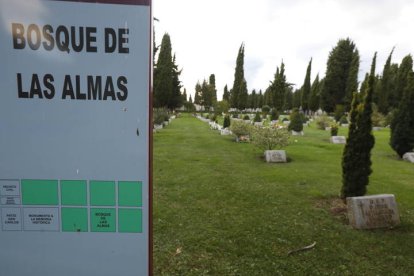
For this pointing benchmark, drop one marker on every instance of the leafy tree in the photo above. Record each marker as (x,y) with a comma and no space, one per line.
(356,159)
(314,95)
(402,125)
(238,96)
(341,75)
(306,88)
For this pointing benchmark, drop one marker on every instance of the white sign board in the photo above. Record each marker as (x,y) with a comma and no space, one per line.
(75,137)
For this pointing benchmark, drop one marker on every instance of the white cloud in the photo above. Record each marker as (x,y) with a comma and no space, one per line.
(206,35)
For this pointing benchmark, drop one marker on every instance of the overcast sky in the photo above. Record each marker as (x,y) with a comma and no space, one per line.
(206,35)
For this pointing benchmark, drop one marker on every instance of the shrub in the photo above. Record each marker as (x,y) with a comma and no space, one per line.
(226,122)
(343,120)
(214,118)
(274,115)
(160,115)
(240,128)
(285,119)
(339,111)
(257,118)
(334,130)
(246,117)
(269,138)
(235,116)
(378,120)
(322,122)
(296,123)
(266,109)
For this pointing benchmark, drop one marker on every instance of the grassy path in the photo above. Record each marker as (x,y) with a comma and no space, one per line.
(220,210)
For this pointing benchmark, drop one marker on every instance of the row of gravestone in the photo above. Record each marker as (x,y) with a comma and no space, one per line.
(157,127)
(364,212)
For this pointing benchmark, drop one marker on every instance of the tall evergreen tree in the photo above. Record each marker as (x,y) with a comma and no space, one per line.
(213,90)
(306,88)
(314,95)
(402,79)
(176,99)
(260,99)
(385,87)
(356,159)
(238,96)
(163,74)
(206,99)
(190,100)
(278,88)
(226,94)
(197,94)
(402,125)
(185,95)
(296,98)
(341,75)
(288,102)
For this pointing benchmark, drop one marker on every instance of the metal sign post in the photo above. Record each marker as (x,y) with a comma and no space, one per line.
(75,137)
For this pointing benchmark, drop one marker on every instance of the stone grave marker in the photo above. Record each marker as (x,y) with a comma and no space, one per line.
(370,212)
(297,133)
(338,139)
(275,156)
(409,156)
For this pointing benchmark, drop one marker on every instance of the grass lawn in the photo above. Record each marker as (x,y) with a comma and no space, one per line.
(219,209)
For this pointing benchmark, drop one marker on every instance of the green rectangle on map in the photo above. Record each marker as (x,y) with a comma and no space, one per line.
(129,220)
(74,220)
(73,192)
(102,193)
(130,193)
(103,220)
(40,192)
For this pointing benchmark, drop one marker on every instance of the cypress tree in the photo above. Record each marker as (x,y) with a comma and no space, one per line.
(352,80)
(213,90)
(356,159)
(191,99)
(260,99)
(278,88)
(385,88)
(197,95)
(205,95)
(288,102)
(238,96)
(226,94)
(401,79)
(314,95)
(306,88)
(176,99)
(341,75)
(163,74)
(402,125)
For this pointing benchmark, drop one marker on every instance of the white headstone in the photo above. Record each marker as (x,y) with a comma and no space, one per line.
(376,128)
(345,125)
(297,133)
(409,156)
(327,128)
(225,131)
(338,139)
(286,122)
(258,123)
(275,156)
(370,212)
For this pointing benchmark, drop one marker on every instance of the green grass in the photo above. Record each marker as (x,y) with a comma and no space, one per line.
(219,209)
